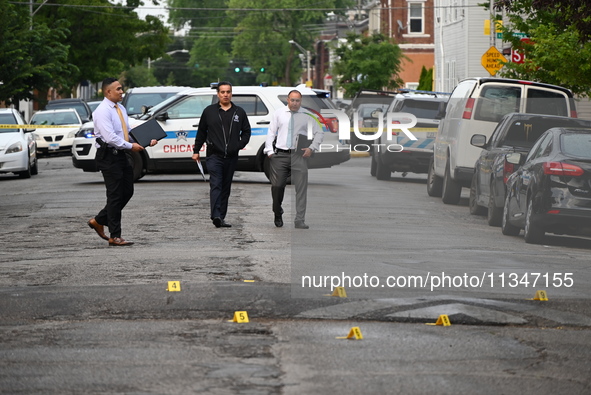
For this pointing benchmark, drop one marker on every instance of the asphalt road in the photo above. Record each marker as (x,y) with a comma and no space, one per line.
(79,317)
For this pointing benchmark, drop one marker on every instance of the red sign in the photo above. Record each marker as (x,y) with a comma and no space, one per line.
(517,55)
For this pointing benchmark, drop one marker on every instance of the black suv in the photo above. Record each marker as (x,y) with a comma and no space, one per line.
(79,105)
(515,133)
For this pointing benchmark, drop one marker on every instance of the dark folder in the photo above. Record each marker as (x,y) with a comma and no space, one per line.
(146,132)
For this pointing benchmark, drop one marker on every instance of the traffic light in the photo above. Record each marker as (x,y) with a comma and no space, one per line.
(262,69)
(237,69)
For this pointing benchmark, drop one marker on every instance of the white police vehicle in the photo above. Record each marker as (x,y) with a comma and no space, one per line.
(179,117)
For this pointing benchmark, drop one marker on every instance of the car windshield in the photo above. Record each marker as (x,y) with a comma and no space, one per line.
(135,101)
(7,119)
(420,108)
(79,107)
(577,145)
(161,105)
(58,118)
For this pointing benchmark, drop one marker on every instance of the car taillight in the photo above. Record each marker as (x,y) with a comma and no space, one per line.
(468,109)
(573,114)
(508,169)
(332,124)
(394,132)
(562,169)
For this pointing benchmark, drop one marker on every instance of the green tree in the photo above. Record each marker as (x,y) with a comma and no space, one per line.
(103,41)
(558,51)
(426,80)
(139,76)
(368,62)
(30,58)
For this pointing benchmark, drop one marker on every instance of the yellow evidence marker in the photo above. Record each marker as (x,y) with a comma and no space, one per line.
(174,286)
(339,291)
(442,320)
(249,281)
(240,317)
(354,333)
(540,295)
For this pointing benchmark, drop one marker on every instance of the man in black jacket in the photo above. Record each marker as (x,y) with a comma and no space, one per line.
(226,130)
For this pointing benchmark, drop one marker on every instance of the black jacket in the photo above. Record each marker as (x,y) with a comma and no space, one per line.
(211,131)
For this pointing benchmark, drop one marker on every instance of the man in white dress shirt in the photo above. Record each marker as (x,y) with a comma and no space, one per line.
(288,149)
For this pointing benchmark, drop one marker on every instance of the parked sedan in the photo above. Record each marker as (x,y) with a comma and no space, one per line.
(516,133)
(57,129)
(551,192)
(17,146)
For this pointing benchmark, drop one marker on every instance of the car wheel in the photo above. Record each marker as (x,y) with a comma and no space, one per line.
(26,173)
(506,227)
(532,233)
(451,189)
(137,163)
(434,183)
(495,214)
(374,165)
(475,209)
(383,173)
(35,167)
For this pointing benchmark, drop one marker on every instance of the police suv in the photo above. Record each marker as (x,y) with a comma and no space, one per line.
(179,117)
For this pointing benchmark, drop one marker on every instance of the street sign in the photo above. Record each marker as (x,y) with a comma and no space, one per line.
(491,60)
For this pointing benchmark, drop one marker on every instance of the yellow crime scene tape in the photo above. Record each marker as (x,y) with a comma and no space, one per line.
(374,130)
(37,126)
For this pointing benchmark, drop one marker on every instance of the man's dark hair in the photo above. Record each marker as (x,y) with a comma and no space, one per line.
(294,91)
(108,81)
(222,83)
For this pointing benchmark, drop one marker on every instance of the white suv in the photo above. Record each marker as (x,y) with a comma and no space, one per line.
(179,117)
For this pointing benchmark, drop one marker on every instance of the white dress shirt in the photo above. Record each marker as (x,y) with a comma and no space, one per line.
(279,127)
(107,124)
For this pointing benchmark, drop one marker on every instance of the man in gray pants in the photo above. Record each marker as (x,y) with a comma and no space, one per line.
(288,149)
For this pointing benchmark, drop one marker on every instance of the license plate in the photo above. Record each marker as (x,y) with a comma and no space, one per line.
(54,146)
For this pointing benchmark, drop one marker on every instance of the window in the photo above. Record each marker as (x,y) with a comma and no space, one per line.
(7,119)
(496,101)
(191,107)
(546,102)
(576,145)
(415,18)
(252,104)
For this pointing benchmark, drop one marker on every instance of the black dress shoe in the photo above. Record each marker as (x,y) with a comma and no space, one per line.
(225,224)
(301,225)
(217,221)
(278,221)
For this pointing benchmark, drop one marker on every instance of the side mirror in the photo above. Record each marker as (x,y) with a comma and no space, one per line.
(162,117)
(376,113)
(478,140)
(515,158)
(145,109)
(441,111)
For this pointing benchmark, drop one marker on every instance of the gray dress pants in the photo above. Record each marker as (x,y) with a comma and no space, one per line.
(284,165)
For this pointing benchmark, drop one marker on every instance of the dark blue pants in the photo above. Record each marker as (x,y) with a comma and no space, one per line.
(221,171)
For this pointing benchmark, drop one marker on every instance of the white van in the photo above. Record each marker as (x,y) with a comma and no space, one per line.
(476,105)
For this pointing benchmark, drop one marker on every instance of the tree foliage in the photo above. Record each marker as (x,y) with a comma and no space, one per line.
(557,51)
(368,62)
(67,42)
(252,33)
(426,80)
(29,58)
